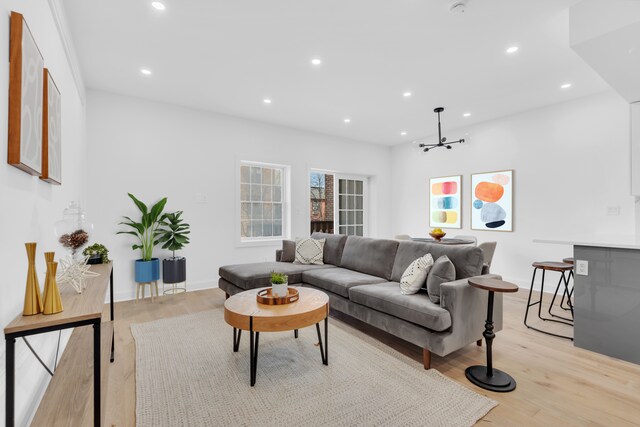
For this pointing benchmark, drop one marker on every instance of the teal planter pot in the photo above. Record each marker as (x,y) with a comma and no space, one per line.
(147,271)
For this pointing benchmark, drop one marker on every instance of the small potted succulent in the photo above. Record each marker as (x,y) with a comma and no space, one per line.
(279,284)
(97,253)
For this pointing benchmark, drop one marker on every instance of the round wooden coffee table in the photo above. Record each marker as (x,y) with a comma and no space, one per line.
(488,377)
(244,313)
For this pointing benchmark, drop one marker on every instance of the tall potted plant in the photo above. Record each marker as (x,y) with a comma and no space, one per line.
(147,232)
(173,235)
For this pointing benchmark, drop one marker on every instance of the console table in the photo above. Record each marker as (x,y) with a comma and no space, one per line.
(68,399)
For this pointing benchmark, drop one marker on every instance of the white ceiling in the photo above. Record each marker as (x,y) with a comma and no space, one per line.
(228,55)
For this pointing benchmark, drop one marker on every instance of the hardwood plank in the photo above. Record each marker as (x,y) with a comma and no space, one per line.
(558,384)
(77,307)
(68,400)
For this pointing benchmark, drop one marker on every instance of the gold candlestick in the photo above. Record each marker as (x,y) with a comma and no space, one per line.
(52,300)
(32,301)
(48,257)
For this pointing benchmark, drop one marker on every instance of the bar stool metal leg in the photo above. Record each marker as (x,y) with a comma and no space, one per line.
(539,304)
(565,291)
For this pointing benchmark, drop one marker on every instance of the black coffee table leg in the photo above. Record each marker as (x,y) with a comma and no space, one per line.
(486,376)
(237,333)
(324,349)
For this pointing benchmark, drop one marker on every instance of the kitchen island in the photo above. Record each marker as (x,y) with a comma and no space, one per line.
(607,294)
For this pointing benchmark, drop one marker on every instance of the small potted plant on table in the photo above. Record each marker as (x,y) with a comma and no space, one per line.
(147,268)
(279,284)
(174,236)
(97,253)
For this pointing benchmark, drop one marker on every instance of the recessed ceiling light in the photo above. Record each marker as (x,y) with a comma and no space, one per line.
(158,5)
(513,49)
(266,101)
(407,94)
(145,71)
(467,114)
(347,120)
(566,86)
(403,133)
(316,61)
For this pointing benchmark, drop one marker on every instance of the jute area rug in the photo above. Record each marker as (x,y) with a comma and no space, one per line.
(188,375)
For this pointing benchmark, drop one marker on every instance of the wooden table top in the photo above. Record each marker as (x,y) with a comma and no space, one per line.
(76,307)
(494,285)
(311,308)
(553,265)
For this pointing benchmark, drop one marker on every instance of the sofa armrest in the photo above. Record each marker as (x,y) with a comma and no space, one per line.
(468,308)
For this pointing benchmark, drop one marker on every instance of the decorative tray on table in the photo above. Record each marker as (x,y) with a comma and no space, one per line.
(266,296)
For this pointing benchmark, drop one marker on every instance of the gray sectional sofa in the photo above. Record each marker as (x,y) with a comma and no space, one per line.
(361,276)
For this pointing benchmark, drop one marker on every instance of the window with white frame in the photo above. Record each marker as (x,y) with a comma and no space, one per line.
(263,190)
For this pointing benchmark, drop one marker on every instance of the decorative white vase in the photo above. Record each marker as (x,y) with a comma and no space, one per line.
(279,290)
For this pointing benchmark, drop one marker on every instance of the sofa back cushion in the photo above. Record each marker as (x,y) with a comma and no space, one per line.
(468,260)
(371,256)
(333,247)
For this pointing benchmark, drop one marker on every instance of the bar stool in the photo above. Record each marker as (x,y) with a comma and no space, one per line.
(561,268)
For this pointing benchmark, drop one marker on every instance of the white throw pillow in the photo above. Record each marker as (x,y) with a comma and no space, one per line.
(414,277)
(309,251)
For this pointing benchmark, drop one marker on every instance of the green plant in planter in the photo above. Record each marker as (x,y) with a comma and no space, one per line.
(97,249)
(279,278)
(147,229)
(174,232)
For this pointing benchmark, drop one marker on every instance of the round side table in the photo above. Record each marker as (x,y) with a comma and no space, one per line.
(488,377)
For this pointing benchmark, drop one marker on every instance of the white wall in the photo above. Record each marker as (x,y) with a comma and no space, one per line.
(31,207)
(154,150)
(571,162)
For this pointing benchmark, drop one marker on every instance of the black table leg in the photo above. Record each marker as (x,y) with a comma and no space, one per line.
(253,351)
(237,333)
(486,376)
(113,335)
(295,333)
(96,375)
(326,340)
(255,359)
(323,348)
(11,382)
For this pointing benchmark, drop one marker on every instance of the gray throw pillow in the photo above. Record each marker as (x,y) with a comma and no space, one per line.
(443,271)
(288,251)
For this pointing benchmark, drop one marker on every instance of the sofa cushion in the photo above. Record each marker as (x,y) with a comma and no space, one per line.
(443,271)
(467,260)
(258,275)
(416,308)
(333,247)
(415,276)
(309,251)
(338,280)
(288,253)
(371,256)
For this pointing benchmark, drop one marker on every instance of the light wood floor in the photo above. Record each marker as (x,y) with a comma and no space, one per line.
(558,384)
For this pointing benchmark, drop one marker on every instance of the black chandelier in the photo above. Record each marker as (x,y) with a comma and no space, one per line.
(442,142)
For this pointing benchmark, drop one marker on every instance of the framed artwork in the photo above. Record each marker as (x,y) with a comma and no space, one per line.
(445,202)
(25,98)
(492,201)
(51,138)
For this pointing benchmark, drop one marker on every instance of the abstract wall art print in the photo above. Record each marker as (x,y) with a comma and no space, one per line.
(25,98)
(445,202)
(492,201)
(51,126)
